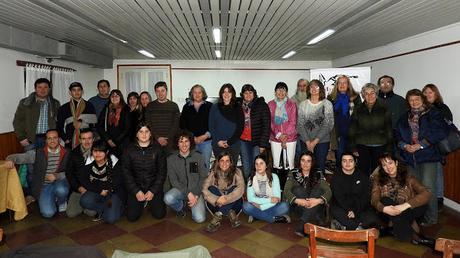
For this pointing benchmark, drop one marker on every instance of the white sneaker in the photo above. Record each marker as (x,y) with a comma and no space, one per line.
(62,207)
(250,219)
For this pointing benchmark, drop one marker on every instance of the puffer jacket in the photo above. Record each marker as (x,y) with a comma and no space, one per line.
(144,169)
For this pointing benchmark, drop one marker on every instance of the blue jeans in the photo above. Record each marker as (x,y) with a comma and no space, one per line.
(57,190)
(236,205)
(320,151)
(426,174)
(439,180)
(248,153)
(205,148)
(111,212)
(176,200)
(268,215)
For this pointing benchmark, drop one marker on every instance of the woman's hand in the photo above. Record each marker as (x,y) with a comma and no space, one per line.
(391,210)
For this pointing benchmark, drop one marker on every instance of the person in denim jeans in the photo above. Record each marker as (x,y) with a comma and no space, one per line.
(223,191)
(264,195)
(186,172)
(195,118)
(49,185)
(256,131)
(101,176)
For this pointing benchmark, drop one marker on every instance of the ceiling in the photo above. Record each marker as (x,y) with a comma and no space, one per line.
(251,29)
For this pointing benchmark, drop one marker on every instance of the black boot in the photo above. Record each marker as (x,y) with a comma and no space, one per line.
(282,219)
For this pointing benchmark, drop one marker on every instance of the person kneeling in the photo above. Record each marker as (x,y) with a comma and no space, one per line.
(101,178)
(223,191)
(186,172)
(264,195)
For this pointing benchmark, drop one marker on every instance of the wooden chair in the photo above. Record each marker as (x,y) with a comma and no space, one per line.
(340,236)
(448,247)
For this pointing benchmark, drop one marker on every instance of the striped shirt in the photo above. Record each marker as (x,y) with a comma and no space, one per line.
(53,162)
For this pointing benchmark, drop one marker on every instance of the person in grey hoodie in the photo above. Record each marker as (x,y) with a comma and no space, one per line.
(186,172)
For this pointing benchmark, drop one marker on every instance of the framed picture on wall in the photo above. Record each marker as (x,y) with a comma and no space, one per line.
(143,77)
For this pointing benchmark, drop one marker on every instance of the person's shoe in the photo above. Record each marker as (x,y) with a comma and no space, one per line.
(215,222)
(233,217)
(335,224)
(62,207)
(98,217)
(300,233)
(29,199)
(181,214)
(89,213)
(421,240)
(282,219)
(250,219)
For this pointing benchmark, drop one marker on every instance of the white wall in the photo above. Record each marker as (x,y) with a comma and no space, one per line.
(440,66)
(13,82)
(212,74)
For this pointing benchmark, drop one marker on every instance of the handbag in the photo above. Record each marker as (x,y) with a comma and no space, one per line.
(452,141)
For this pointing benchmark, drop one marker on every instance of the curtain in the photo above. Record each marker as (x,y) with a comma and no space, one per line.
(62,78)
(133,81)
(34,72)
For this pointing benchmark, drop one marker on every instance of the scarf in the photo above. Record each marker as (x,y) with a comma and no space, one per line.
(76,108)
(85,153)
(342,105)
(281,115)
(413,119)
(114,116)
(261,186)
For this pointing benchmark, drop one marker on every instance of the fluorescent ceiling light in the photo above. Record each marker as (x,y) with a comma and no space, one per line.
(146,53)
(218,54)
(321,36)
(113,36)
(217,35)
(291,53)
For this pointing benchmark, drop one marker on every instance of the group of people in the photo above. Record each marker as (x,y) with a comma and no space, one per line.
(106,156)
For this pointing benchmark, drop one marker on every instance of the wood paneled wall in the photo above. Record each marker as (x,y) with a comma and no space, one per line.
(9,144)
(452,177)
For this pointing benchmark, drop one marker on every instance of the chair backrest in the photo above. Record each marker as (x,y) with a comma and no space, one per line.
(448,247)
(341,236)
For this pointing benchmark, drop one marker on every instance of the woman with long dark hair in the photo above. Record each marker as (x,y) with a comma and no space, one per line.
(264,194)
(223,191)
(136,113)
(101,177)
(113,123)
(400,198)
(308,192)
(226,123)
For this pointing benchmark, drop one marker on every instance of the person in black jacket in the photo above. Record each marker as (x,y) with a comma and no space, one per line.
(195,118)
(102,181)
(350,206)
(77,160)
(256,131)
(144,171)
(113,123)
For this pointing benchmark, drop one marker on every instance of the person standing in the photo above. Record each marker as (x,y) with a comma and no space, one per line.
(395,103)
(35,115)
(195,119)
(283,133)
(226,123)
(256,130)
(102,98)
(75,115)
(315,120)
(162,115)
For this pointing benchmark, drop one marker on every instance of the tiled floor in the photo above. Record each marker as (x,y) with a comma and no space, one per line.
(150,235)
